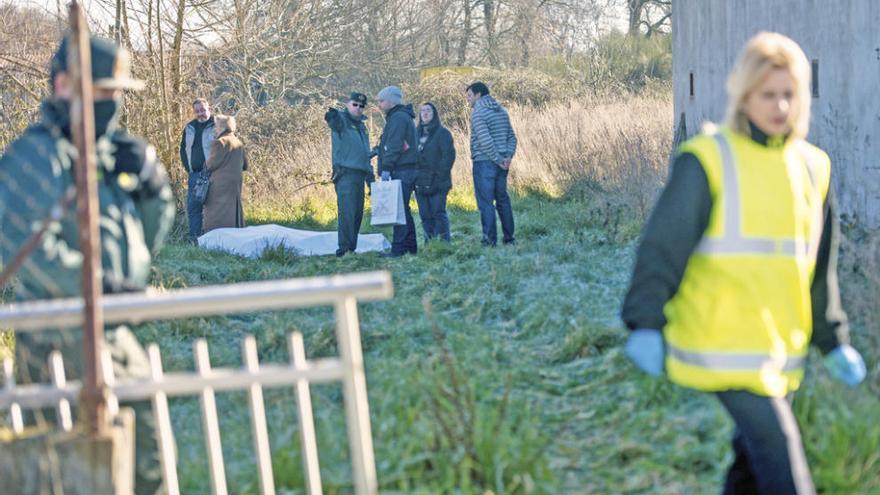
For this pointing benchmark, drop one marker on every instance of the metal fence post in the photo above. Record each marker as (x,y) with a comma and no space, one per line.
(355,393)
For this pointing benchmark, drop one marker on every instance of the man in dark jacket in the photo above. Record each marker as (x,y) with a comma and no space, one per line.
(351,168)
(136,210)
(398,159)
(195,149)
(493,144)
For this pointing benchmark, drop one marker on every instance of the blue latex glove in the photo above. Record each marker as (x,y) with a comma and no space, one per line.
(846,365)
(386,175)
(645,348)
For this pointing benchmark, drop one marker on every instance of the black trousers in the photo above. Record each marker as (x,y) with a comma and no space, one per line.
(350,207)
(404,236)
(769,454)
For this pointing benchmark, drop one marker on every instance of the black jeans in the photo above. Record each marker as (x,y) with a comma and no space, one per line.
(350,207)
(490,187)
(194,209)
(404,239)
(769,454)
(432,211)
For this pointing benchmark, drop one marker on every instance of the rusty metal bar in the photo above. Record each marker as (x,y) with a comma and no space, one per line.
(87,214)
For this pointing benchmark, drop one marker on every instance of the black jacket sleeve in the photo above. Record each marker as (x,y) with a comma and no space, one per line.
(394,136)
(447,147)
(669,238)
(830,326)
(333,119)
(183,159)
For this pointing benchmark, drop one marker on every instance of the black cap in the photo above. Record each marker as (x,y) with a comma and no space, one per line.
(111,64)
(358,98)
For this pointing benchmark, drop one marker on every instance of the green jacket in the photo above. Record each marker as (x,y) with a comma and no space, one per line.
(350,140)
(136,206)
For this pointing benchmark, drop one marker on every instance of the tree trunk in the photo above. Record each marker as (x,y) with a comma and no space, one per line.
(491,40)
(635,8)
(163,84)
(465,32)
(176,48)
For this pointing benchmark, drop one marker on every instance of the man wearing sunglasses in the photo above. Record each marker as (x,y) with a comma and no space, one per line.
(351,168)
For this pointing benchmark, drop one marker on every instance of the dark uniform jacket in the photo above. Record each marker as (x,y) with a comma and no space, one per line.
(397,146)
(136,206)
(350,141)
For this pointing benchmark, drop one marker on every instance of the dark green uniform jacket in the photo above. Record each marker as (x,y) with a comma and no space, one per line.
(135,199)
(350,140)
(676,227)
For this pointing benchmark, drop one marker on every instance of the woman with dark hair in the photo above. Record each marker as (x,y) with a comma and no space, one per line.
(434,179)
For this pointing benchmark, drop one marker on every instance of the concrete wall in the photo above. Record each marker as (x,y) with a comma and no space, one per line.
(843,35)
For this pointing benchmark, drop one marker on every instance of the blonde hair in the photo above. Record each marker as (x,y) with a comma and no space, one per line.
(761,55)
(224,122)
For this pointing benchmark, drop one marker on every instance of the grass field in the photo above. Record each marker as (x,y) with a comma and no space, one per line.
(501,370)
(495,371)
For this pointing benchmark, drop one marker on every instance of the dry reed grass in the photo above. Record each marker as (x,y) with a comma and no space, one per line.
(615,151)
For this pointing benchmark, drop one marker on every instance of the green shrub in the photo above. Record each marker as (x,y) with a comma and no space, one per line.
(615,63)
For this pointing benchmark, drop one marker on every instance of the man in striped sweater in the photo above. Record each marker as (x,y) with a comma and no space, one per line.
(493,144)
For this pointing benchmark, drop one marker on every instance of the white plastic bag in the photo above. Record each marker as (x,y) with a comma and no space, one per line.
(387,203)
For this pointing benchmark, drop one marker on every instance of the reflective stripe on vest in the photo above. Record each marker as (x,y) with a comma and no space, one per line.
(735,361)
(733,242)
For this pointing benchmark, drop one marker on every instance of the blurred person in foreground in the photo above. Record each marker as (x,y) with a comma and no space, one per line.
(136,210)
(434,178)
(225,166)
(736,272)
(351,169)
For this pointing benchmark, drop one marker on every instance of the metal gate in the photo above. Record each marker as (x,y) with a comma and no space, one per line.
(342,292)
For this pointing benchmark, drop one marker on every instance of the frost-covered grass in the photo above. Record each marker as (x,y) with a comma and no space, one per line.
(500,370)
(494,370)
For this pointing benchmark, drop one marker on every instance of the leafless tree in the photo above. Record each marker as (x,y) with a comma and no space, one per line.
(652,15)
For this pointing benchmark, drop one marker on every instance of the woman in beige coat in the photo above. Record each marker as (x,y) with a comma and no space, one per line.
(223,205)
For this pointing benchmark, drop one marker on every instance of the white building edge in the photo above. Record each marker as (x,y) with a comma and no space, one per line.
(841,38)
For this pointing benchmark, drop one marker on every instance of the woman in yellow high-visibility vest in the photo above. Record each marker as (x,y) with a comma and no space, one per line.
(736,272)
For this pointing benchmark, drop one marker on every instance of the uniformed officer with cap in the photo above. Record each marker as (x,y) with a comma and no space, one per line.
(136,208)
(351,167)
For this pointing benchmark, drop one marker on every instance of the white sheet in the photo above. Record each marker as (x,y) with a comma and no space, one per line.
(251,241)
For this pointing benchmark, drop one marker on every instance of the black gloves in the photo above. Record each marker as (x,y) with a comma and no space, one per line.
(132,155)
(333,119)
(129,153)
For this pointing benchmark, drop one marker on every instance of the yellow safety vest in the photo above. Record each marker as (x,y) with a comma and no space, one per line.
(742,316)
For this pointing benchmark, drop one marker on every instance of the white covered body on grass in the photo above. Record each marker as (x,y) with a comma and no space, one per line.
(250,242)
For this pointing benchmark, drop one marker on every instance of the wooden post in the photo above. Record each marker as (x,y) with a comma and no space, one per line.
(87,211)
